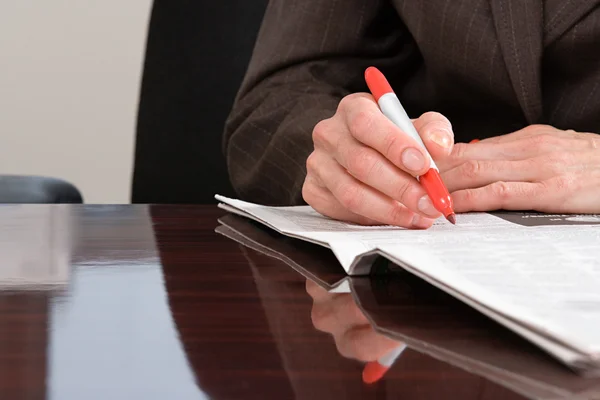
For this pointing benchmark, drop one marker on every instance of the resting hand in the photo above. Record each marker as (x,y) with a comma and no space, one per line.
(363,167)
(338,314)
(538,168)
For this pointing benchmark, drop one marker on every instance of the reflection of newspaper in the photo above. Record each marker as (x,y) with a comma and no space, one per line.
(319,266)
(489,352)
(35,245)
(540,281)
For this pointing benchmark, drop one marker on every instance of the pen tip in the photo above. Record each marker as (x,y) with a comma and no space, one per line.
(452,218)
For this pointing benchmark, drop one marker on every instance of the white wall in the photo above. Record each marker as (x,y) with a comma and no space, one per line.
(69,85)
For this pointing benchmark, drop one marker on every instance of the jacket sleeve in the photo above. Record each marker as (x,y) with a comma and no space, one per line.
(309,54)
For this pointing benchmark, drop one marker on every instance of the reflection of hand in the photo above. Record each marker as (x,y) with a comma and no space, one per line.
(338,314)
(537,168)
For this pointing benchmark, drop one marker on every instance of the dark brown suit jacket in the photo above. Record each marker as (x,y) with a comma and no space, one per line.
(491,66)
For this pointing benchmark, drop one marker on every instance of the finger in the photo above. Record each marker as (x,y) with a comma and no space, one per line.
(529,131)
(436,132)
(478,173)
(374,170)
(368,125)
(364,344)
(529,147)
(325,203)
(363,200)
(318,293)
(502,196)
(337,314)
(512,136)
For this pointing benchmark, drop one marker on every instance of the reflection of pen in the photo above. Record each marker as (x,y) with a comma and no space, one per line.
(375,370)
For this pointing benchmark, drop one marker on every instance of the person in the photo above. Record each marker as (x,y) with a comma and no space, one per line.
(521,76)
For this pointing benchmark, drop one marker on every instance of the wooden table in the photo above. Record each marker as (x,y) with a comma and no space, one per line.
(158,305)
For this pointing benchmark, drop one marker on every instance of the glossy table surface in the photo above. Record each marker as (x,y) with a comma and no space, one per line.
(154,302)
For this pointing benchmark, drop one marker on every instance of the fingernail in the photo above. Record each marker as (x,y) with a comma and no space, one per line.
(420,222)
(413,159)
(441,138)
(426,207)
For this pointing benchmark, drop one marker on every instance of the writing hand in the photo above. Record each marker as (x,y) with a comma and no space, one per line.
(363,167)
(538,168)
(338,315)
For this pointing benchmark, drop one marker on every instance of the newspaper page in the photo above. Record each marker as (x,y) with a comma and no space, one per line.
(349,241)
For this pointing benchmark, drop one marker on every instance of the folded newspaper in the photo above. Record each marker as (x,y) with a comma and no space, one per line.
(537,274)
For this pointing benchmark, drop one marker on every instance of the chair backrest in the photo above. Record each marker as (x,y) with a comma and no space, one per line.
(25,189)
(197,54)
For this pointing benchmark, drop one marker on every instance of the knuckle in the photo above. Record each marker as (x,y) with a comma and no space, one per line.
(562,184)
(312,163)
(391,142)
(432,116)
(555,162)
(361,124)
(320,132)
(400,215)
(468,197)
(531,129)
(471,169)
(347,102)
(502,191)
(352,101)
(458,151)
(566,159)
(362,163)
(350,196)
(403,192)
(543,139)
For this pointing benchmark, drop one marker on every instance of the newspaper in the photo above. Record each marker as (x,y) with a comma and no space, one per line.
(537,274)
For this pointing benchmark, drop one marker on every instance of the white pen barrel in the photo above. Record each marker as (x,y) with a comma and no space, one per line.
(391,107)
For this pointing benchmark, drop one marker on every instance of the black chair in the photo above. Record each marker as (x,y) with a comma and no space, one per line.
(196,56)
(17,189)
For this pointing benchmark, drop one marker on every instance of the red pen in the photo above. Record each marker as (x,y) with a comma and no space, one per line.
(390,106)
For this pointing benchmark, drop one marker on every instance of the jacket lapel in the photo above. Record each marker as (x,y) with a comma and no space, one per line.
(519,26)
(561,15)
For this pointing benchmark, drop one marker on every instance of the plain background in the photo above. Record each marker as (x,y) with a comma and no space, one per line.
(70,76)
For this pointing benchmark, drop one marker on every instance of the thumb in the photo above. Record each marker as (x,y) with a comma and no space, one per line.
(436,132)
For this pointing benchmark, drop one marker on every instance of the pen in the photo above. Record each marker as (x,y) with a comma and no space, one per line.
(375,370)
(390,106)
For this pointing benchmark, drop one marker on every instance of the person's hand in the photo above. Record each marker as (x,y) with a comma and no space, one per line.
(539,168)
(363,167)
(338,315)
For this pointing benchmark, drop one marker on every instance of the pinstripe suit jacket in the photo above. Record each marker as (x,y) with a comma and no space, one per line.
(491,66)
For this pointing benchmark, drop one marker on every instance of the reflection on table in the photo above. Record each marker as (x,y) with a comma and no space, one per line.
(158,305)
